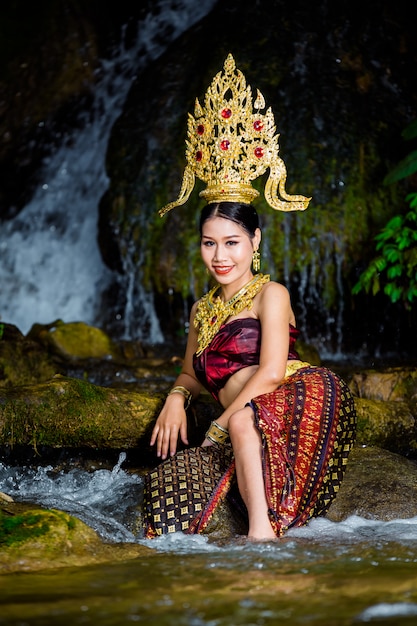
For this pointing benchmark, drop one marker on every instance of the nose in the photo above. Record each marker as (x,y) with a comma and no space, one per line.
(219,254)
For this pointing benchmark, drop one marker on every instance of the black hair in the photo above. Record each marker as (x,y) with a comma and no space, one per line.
(244,215)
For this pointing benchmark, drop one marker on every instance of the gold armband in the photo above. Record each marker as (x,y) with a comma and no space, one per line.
(184,392)
(217,434)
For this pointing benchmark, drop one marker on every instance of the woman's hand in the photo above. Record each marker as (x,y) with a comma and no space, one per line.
(171,424)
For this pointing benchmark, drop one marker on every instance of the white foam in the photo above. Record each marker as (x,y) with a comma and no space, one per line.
(385,609)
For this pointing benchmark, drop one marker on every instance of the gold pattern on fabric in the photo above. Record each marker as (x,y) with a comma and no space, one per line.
(179,489)
(212,312)
(308,428)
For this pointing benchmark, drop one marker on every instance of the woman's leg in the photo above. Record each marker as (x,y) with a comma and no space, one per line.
(247,449)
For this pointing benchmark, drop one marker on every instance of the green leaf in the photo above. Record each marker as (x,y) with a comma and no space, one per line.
(396,243)
(412,293)
(380,263)
(412,200)
(393,292)
(410,131)
(375,285)
(406,167)
(394,271)
(391,253)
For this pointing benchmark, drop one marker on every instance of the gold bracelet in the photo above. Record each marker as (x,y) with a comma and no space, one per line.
(217,434)
(184,392)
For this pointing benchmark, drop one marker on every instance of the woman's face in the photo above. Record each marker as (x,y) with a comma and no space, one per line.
(227,250)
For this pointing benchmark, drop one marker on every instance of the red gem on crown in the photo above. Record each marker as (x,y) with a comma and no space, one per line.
(200,129)
(259,152)
(224,145)
(198,155)
(258,125)
(226,113)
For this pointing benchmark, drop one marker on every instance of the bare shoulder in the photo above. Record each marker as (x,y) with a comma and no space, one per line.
(273,290)
(274,303)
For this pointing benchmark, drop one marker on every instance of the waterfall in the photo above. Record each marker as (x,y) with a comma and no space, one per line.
(51,265)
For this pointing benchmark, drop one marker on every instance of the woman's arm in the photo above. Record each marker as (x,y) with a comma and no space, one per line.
(273,308)
(172,420)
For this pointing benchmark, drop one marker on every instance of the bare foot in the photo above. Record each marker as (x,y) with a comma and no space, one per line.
(262,534)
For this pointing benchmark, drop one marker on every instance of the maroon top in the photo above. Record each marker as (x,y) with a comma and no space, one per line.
(235,346)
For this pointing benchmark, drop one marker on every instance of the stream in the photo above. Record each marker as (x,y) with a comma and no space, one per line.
(354,572)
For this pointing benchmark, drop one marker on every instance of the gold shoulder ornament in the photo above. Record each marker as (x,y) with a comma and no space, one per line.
(231,143)
(212,312)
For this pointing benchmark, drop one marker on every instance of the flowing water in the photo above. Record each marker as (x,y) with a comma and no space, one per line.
(353,572)
(51,263)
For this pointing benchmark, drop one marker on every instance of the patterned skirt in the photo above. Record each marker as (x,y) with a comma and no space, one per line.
(307,427)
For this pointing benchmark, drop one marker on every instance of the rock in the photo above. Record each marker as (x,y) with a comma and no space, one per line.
(392,384)
(386,405)
(68,412)
(23,360)
(307,352)
(75,340)
(390,425)
(5,498)
(378,485)
(38,539)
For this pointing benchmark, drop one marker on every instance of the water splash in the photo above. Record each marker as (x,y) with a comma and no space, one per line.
(106,500)
(109,501)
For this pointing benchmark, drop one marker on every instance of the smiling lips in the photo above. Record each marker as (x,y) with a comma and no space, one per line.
(223,270)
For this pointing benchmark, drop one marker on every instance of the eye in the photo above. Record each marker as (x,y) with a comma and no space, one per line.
(208,244)
(232,243)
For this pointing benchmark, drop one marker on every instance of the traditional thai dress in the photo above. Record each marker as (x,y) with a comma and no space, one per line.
(307,428)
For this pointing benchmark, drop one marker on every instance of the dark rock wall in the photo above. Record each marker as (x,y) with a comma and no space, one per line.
(342,86)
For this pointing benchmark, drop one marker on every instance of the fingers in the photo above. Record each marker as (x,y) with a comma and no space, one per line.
(154,435)
(166,440)
(183,433)
(173,442)
(165,435)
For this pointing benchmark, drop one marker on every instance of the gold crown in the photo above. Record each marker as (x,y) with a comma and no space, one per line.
(230,143)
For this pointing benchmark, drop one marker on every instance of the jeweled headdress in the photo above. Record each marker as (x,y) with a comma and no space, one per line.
(230,143)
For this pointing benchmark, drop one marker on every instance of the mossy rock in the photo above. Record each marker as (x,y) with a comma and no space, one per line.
(23,360)
(394,383)
(390,425)
(308,353)
(38,539)
(66,412)
(69,412)
(75,340)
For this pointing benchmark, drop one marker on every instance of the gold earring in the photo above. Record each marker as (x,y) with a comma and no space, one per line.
(256,261)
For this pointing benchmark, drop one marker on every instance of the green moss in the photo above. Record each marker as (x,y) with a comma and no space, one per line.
(88,391)
(19,528)
(59,411)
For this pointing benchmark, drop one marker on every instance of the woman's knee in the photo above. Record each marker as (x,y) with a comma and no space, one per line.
(240,422)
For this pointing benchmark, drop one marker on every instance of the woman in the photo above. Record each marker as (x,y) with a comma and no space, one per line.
(291,426)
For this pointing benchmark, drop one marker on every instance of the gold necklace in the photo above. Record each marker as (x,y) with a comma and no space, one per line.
(212,312)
